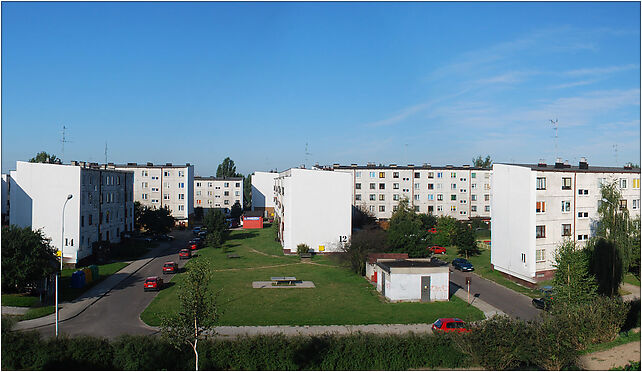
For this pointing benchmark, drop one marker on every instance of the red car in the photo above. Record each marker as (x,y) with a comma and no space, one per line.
(153,283)
(184,254)
(170,267)
(432,230)
(437,249)
(192,245)
(449,325)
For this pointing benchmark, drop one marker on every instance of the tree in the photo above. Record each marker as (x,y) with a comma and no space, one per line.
(465,241)
(362,217)
(157,221)
(572,281)
(197,313)
(226,169)
(428,221)
(43,157)
(247,192)
(371,239)
(138,212)
(486,163)
(216,226)
(447,229)
(27,257)
(605,263)
(198,213)
(236,211)
(406,233)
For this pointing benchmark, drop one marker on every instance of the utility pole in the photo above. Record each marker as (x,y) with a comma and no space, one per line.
(105,152)
(615,152)
(307,153)
(63,140)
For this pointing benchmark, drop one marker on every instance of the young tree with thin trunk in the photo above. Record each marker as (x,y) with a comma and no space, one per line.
(197,313)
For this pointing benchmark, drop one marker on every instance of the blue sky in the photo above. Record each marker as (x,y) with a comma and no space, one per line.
(358,82)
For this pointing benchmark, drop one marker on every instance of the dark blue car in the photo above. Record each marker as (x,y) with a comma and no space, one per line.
(462,265)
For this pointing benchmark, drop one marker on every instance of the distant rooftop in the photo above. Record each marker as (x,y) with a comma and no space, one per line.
(212,178)
(404,167)
(584,168)
(387,265)
(148,165)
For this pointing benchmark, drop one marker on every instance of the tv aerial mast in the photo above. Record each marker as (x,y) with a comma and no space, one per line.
(64,140)
(555,126)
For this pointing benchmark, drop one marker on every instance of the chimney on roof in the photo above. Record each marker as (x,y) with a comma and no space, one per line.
(558,163)
(187,164)
(302,166)
(150,164)
(393,165)
(74,163)
(583,163)
(353,165)
(541,163)
(567,164)
(411,165)
(628,166)
(132,164)
(371,164)
(449,165)
(466,166)
(168,164)
(335,165)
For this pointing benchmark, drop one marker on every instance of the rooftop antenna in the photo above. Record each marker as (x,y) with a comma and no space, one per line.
(307,153)
(554,122)
(63,140)
(105,152)
(615,152)
(406,152)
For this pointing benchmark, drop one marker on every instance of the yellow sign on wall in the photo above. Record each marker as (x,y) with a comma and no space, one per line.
(321,248)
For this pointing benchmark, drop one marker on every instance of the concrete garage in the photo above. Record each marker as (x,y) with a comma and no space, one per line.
(412,280)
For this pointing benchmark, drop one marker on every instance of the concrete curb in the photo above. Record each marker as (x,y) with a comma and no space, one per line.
(72,309)
(488,309)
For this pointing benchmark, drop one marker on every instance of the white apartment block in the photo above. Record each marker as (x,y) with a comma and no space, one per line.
(537,206)
(313,207)
(164,186)
(101,207)
(263,192)
(212,192)
(459,192)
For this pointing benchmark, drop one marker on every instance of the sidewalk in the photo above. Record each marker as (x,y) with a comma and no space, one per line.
(635,292)
(232,332)
(488,309)
(71,309)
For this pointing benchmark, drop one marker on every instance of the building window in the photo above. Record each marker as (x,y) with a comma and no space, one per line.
(453,186)
(417,186)
(582,237)
(198,192)
(566,206)
(395,208)
(181,173)
(144,196)
(382,197)
(198,184)
(636,204)
(395,197)
(440,174)
(417,197)
(430,197)
(382,208)
(540,207)
(463,190)
(382,174)
(473,197)
(473,208)
(373,175)
(209,193)
(486,197)
(487,208)
(144,185)
(395,174)
(182,207)
(439,186)
(636,183)
(357,197)
(238,184)
(540,255)
(440,197)
(373,197)
(144,173)
(431,209)
(453,174)
(382,186)
(566,183)
(357,186)
(431,186)
(566,229)
(236,193)
(417,174)
(582,214)
(541,183)
(416,208)
(440,208)
(623,183)
(154,189)
(462,201)
(405,190)
(431,174)
(154,177)
(227,193)
(357,174)
(181,185)
(226,184)
(166,197)
(181,196)
(82,221)
(453,197)
(453,208)
(226,202)
(156,201)
(473,175)
(395,186)
(540,231)
(623,204)
(373,186)
(473,186)
(166,174)
(582,192)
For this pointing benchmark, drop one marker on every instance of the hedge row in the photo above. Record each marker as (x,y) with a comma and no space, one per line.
(274,352)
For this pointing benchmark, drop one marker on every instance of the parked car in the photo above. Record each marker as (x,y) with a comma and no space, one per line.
(450,325)
(544,302)
(198,241)
(170,267)
(196,230)
(192,245)
(462,264)
(435,249)
(153,283)
(202,234)
(234,224)
(184,254)
(164,237)
(432,230)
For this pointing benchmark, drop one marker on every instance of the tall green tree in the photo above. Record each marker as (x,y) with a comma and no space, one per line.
(43,157)
(405,233)
(27,257)
(447,229)
(157,221)
(217,228)
(465,241)
(605,263)
(480,162)
(236,211)
(573,282)
(226,169)
(247,192)
(370,239)
(197,313)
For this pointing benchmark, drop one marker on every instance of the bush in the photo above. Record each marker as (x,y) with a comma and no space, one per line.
(139,353)
(552,345)
(362,243)
(302,248)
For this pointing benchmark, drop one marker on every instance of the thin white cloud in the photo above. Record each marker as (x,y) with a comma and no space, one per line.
(601,70)
(575,84)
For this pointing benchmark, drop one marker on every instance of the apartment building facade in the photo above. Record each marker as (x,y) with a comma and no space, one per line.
(460,192)
(163,186)
(263,193)
(101,207)
(6,180)
(313,207)
(212,192)
(537,206)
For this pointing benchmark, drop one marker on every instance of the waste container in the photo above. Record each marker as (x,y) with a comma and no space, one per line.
(88,278)
(78,279)
(94,272)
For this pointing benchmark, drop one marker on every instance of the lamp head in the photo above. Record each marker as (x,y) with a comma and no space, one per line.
(69,196)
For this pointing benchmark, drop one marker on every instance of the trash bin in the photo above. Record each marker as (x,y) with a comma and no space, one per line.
(95,274)
(78,279)
(88,278)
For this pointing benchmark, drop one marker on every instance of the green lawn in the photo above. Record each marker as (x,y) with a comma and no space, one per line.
(68,294)
(622,338)
(21,300)
(631,279)
(483,269)
(340,296)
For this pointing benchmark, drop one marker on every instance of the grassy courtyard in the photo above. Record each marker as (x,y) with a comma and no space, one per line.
(340,296)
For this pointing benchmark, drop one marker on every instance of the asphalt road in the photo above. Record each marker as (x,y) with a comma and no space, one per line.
(510,302)
(118,312)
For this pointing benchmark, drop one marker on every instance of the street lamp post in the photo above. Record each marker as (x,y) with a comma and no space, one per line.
(62,245)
